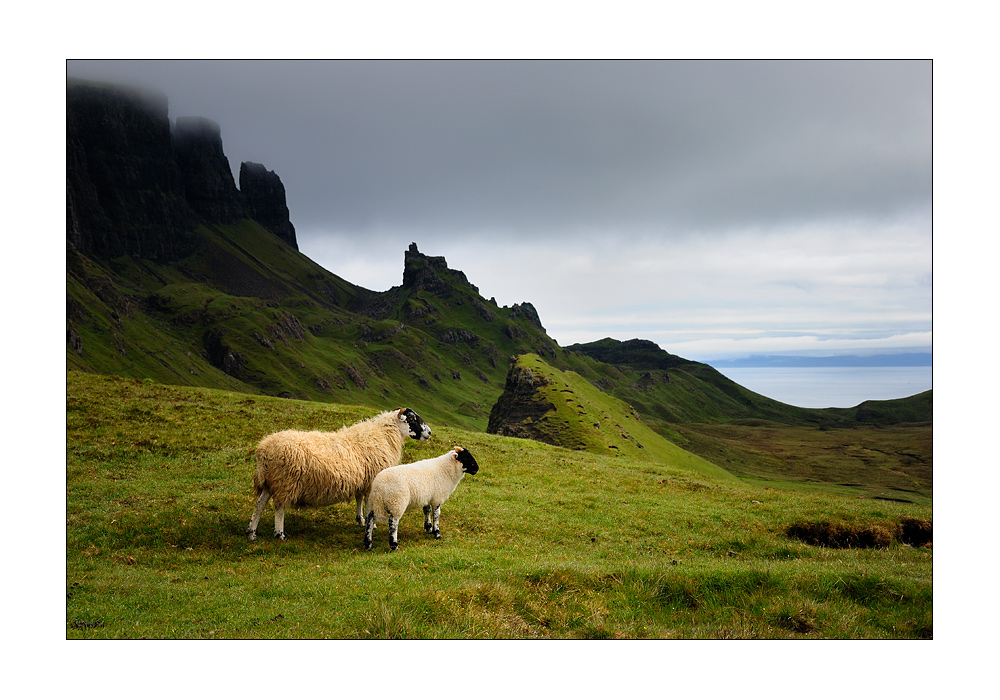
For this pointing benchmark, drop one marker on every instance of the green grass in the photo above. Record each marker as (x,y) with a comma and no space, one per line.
(890,462)
(543,542)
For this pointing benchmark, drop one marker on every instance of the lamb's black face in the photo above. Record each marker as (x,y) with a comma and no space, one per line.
(418,429)
(469,464)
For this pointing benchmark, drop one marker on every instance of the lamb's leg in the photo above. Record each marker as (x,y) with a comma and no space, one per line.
(258,510)
(437,517)
(393,532)
(428,524)
(369,529)
(279,522)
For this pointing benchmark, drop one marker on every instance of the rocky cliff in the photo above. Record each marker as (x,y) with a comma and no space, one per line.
(135,187)
(208,180)
(124,191)
(264,198)
(424,272)
(518,410)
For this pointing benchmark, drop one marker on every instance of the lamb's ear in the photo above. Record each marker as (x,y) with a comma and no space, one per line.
(400,412)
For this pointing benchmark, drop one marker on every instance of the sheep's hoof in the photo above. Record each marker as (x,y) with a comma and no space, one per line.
(280,536)
(251,535)
(428,527)
(437,535)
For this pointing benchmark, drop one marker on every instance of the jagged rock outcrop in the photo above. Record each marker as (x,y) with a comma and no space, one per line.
(208,180)
(518,409)
(124,192)
(264,201)
(421,272)
(526,311)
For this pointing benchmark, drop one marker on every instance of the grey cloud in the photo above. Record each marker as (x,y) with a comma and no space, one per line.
(460,146)
(813,179)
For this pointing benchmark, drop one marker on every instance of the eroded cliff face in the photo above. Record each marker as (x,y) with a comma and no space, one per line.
(264,199)
(208,180)
(134,187)
(124,192)
(520,408)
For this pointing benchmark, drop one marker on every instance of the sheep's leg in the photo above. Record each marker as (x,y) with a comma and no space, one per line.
(360,517)
(258,510)
(279,522)
(393,532)
(369,529)
(428,523)
(437,517)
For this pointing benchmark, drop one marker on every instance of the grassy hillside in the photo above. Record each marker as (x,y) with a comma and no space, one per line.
(880,449)
(671,389)
(544,542)
(246,312)
(584,418)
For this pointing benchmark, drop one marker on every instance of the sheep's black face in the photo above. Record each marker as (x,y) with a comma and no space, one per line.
(469,464)
(418,429)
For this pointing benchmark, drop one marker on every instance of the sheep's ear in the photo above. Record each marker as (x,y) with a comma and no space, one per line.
(400,412)
(456,448)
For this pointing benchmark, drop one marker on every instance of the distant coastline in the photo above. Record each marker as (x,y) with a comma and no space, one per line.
(906,359)
(825,387)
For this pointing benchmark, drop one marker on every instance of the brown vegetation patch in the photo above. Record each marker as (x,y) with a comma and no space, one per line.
(841,535)
(915,531)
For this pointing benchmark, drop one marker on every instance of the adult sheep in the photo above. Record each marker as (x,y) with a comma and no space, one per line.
(316,468)
(425,484)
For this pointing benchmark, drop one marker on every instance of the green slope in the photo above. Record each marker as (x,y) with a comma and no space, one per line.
(249,313)
(581,417)
(665,387)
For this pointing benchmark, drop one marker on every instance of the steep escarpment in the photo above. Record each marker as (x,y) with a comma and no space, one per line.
(208,180)
(124,190)
(136,187)
(264,198)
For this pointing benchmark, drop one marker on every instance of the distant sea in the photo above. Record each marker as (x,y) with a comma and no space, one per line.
(827,387)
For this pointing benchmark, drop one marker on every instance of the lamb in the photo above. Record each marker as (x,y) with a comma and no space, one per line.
(319,468)
(425,484)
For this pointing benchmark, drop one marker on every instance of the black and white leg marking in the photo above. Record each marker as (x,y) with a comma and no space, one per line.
(369,529)
(393,532)
(437,517)
(428,523)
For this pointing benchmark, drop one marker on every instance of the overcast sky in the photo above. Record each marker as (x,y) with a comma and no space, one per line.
(718,208)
